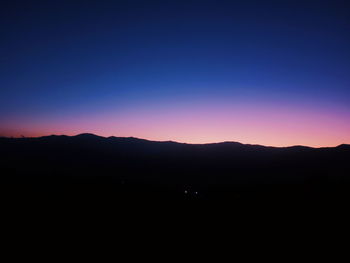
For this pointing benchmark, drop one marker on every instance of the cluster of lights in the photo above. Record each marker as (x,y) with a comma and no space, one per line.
(187,192)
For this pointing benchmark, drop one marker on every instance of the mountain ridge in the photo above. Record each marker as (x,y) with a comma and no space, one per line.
(133,168)
(136,139)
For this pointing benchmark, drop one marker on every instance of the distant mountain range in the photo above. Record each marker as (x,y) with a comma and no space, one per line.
(92,136)
(125,166)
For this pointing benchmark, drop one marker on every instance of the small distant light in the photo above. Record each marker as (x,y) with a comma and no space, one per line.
(196,193)
(185,192)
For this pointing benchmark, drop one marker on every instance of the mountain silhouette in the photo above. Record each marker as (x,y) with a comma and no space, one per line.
(124,168)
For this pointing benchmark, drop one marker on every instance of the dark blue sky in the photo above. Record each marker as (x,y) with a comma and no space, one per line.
(78,58)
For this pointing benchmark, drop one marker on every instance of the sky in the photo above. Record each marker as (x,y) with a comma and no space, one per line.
(273,73)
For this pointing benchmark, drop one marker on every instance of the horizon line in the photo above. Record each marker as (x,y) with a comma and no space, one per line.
(125,137)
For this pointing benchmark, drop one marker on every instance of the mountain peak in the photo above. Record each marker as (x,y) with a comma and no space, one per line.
(87,135)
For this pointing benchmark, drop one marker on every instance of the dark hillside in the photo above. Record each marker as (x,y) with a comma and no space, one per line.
(124,168)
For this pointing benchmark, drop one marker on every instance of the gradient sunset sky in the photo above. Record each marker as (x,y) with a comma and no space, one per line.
(260,72)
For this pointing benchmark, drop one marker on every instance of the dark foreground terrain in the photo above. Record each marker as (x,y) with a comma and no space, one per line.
(90,167)
(136,191)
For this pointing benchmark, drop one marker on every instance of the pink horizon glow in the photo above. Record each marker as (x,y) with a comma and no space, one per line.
(271,126)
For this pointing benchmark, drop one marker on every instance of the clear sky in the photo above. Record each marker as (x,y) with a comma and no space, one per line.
(262,72)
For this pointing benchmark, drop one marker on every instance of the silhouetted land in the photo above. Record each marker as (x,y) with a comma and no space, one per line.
(123,169)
